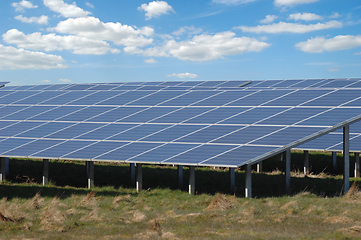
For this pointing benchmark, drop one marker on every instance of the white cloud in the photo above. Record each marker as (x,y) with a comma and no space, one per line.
(335,15)
(305,16)
(155,9)
(13,58)
(183,75)
(150,60)
(93,28)
(187,30)
(320,44)
(64,80)
(268,19)
(19,7)
(66,10)
(283,27)
(52,42)
(204,47)
(335,69)
(292,2)
(233,2)
(45,81)
(39,20)
(357,53)
(89,4)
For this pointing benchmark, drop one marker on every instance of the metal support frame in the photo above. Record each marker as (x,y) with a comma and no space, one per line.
(346,158)
(132,175)
(334,162)
(306,162)
(248,185)
(259,167)
(232,180)
(192,181)
(90,171)
(3,169)
(357,165)
(288,171)
(180,176)
(45,171)
(7,167)
(139,182)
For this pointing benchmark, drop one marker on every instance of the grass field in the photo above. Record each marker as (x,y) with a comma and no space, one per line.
(113,210)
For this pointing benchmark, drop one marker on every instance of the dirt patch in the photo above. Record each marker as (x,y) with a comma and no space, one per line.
(119,199)
(36,202)
(337,219)
(52,217)
(220,202)
(354,231)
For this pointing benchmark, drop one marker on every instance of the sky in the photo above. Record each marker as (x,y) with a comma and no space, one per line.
(67,41)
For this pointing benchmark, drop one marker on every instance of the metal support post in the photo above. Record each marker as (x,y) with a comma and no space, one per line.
(357,164)
(346,158)
(180,176)
(132,175)
(334,162)
(259,167)
(248,185)
(288,171)
(232,180)
(45,171)
(90,166)
(3,169)
(192,180)
(7,166)
(139,183)
(306,163)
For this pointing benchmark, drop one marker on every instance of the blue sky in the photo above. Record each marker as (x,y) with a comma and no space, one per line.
(62,41)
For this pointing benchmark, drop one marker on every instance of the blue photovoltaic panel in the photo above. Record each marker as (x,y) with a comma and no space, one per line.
(286,83)
(126,98)
(217,115)
(138,132)
(211,83)
(238,156)
(80,87)
(96,97)
(197,155)
(190,83)
(86,113)
(45,129)
(38,98)
(28,112)
(293,116)
(149,114)
(68,97)
(287,135)
(162,153)
(152,88)
(354,103)
(7,110)
(57,87)
(208,134)
(231,84)
(126,88)
(339,84)
(15,96)
(172,83)
(22,88)
(40,87)
(307,83)
(172,133)
(323,142)
(356,85)
(157,98)
(128,151)
(267,83)
(103,87)
(5,123)
(182,115)
(223,98)
(62,149)
(297,98)
(332,117)
(116,114)
(33,147)
(18,128)
(254,115)
(247,134)
(75,130)
(260,98)
(94,150)
(335,98)
(8,144)
(355,143)
(107,131)
(56,113)
(190,98)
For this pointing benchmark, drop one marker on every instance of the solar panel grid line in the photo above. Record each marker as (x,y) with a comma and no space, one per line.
(197,146)
(36,92)
(351,138)
(4,153)
(220,154)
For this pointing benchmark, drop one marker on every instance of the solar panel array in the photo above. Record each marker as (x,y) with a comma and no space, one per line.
(204,123)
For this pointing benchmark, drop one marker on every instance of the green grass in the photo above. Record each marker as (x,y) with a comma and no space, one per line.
(112,210)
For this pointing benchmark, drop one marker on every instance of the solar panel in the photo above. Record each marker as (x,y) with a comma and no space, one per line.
(207,123)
